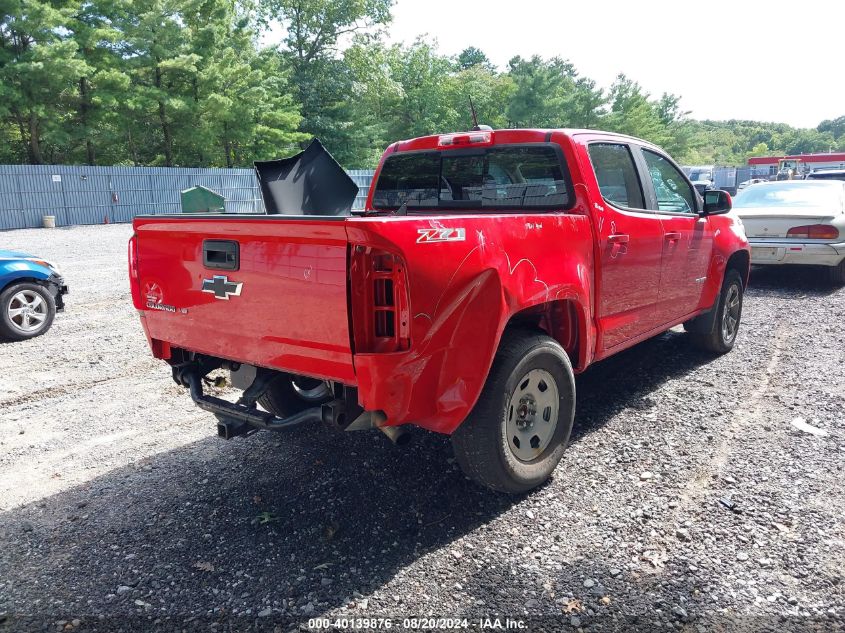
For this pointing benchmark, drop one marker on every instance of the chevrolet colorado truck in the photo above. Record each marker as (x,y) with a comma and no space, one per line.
(486,269)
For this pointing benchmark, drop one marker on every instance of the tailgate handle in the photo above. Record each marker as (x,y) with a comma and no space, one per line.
(221,254)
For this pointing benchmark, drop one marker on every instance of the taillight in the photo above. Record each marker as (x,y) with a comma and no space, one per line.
(134,276)
(133,258)
(380,312)
(814,232)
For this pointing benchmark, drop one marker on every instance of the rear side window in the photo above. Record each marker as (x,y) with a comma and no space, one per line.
(616,174)
(412,179)
(508,177)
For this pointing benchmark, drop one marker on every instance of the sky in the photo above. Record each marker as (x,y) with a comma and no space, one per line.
(768,60)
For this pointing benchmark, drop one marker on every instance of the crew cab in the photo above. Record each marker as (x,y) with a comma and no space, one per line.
(486,269)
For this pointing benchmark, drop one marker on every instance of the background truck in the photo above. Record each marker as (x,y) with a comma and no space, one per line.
(703,178)
(487,268)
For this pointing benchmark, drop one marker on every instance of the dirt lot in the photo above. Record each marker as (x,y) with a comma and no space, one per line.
(686,500)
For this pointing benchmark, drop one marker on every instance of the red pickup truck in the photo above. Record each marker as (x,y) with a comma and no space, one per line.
(487,268)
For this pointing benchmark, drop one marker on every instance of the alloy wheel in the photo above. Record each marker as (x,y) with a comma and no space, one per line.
(27,311)
(730,313)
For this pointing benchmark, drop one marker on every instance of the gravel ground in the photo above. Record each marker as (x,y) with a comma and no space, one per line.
(687,498)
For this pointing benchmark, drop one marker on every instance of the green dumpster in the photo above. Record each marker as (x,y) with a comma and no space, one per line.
(202,200)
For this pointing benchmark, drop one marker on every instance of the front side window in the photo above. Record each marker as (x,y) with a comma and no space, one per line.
(504,177)
(671,188)
(616,174)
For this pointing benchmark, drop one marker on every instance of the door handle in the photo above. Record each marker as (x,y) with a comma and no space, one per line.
(618,244)
(672,236)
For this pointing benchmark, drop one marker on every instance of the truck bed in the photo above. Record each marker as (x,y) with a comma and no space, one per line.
(282,303)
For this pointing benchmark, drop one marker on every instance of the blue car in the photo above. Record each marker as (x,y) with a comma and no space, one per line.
(31,292)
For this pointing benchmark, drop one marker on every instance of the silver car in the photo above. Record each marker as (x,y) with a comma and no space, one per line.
(747,183)
(796,222)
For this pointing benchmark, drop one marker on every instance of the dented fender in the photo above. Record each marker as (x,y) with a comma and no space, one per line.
(463,294)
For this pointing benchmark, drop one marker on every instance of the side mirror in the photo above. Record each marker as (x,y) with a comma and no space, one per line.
(717,202)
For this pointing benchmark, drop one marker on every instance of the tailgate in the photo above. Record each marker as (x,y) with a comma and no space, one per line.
(264,291)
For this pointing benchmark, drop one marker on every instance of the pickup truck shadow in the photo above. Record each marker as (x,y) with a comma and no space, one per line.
(625,380)
(299,523)
(786,281)
(296,522)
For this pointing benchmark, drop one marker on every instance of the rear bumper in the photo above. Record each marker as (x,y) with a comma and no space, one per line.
(768,252)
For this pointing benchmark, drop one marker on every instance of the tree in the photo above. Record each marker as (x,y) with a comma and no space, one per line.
(836,127)
(322,82)
(632,113)
(241,98)
(804,141)
(99,91)
(760,149)
(551,94)
(472,56)
(422,75)
(374,101)
(39,66)
(244,106)
(187,82)
(156,45)
(678,131)
(490,92)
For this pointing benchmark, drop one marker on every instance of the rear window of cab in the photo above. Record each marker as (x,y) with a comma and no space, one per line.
(504,177)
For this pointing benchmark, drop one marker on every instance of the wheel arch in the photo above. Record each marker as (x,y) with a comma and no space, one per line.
(565,320)
(22,277)
(740,261)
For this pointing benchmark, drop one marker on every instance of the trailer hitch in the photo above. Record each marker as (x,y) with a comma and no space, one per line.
(242,417)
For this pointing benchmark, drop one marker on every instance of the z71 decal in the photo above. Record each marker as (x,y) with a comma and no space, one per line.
(441,235)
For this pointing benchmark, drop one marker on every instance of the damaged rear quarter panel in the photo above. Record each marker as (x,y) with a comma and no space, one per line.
(462,293)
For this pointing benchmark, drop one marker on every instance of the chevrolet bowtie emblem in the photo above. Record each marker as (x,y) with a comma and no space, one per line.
(221,287)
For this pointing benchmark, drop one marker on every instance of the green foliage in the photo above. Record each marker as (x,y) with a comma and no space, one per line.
(836,127)
(631,112)
(472,56)
(321,81)
(39,68)
(156,82)
(732,142)
(189,83)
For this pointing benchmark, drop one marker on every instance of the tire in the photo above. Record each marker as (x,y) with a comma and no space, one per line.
(836,274)
(722,335)
(495,446)
(27,310)
(289,394)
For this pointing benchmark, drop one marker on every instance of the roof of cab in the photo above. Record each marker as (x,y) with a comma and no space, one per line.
(507,135)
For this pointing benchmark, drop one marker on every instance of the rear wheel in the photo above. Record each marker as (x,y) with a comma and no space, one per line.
(26,310)
(289,394)
(722,335)
(837,274)
(516,434)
